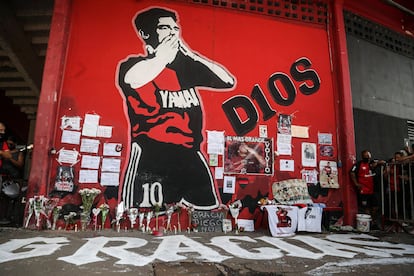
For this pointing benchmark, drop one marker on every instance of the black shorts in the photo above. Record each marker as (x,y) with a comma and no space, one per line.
(164,173)
(367,200)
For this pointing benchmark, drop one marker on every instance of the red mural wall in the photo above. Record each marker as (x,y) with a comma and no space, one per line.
(279,67)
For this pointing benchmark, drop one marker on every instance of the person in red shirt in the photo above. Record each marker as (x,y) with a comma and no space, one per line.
(4,154)
(4,149)
(362,175)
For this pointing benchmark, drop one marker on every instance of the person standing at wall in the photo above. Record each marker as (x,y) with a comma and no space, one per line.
(4,154)
(13,163)
(12,181)
(394,176)
(166,116)
(363,176)
(4,149)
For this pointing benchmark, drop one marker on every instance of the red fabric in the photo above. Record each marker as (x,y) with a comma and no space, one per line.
(395,170)
(3,147)
(366,179)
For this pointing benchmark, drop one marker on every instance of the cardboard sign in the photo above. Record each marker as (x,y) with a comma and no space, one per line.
(208,221)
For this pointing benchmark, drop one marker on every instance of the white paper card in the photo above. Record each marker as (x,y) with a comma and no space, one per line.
(215,148)
(89,145)
(68,156)
(287,165)
(104,131)
(109,179)
(88,176)
(218,172)
(111,165)
(90,126)
(70,123)
(263,131)
(300,131)
(229,185)
(214,136)
(71,137)
(112,149)
(90,162)
(247,224)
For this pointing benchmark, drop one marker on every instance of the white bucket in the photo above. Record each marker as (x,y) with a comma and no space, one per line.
(363,222)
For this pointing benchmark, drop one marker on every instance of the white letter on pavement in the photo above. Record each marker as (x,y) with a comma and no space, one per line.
(43,246)
(384,247)
(263,253)
(294,251)
(88,252)
(337,249)
(170,247)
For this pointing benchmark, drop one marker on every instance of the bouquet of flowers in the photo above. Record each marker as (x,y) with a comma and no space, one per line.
(55,215)
(234,211)
(104,211)
(30,212)
(50,205)
(39,208)
(169,212)
(69,219)
(88,197)
(132,215)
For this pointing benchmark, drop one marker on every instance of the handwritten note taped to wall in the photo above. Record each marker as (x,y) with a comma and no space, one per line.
(207,221)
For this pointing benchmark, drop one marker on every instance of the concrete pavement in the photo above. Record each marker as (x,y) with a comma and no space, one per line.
(108,252)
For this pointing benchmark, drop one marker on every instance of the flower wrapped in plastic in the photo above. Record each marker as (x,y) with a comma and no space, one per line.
(120,210)
(39,208)
(149,216)
(234,211)
(55,215)
(132,215)
(69,220)
(169,211)
(141,216)
(88,197)
(104,211)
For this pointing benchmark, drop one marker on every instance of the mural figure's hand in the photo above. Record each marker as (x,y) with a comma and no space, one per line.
(168,48)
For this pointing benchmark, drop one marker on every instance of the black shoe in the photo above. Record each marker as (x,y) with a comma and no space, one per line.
(375,227)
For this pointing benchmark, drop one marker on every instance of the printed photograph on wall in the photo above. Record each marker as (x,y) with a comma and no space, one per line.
(64,179)
(327,151)
(248,155)
(328,172)
(284,124)
(308,154)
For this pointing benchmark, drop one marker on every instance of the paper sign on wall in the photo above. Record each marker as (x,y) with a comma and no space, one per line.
(90,126)
(308,154)
(229,185)
(300,131)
